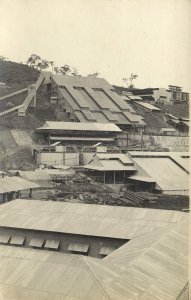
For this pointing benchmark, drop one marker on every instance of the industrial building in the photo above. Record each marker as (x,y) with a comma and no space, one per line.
(163,96)
(66,141)
(169,170)
(89,99)
(10,187)
(69,133)
(40,177)
(110,168)
(123,253)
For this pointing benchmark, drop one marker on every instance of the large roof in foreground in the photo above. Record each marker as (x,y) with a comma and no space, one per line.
(77,126)
(93,100)
(85,219)
(150,267)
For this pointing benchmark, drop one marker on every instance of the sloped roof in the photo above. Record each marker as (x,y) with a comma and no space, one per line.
(167,174)
(122,157)
(36,175)
(84,219)
(10,184)
(77,126)
(79,81)
(93,100)
(158,261)
(40,177)
(109,165)
(141,178)
(152,267)
(110,162)
(180,158)
(168,129)
(148,106)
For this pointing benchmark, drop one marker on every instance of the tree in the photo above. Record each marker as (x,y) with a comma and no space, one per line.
(65,69)
(2,58)
(129,81)
(56,70)
(52,65)
(74,72)
(44,64)
(34,61)
(96,74)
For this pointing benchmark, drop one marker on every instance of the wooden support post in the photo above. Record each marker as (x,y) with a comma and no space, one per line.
(104,177)
(30,193)
(114,177)
(18,194)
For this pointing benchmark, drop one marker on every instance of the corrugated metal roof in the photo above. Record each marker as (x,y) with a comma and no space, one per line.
(36,242)
(9,184)
(158,262)
(187,123)
(167,174)
(17,240)
(93,94)
(78,247)
(178,157)
(111,117)
(52,244)
(56,173)
(168,129)
(78,126)
(141,178)
(109,165)
(133,97)
(122,157)
(84,219)
(80,81)
(148,106)
(101,118)
(152,267)
(36,175)
(132,117)
(75,138)
(80,116)
(47,275)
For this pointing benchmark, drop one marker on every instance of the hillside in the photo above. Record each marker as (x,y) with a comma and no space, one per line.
(17,76)
(179,110)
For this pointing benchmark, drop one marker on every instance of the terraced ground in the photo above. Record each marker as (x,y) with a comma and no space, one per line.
(154,120)
(178,110)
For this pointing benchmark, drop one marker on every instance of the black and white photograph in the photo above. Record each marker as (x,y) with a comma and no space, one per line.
(94,149)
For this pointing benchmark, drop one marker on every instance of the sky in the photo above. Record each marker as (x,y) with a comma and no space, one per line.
(150,38)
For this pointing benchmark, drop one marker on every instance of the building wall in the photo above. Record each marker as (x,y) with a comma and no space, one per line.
(57,158)
(64,238)
(162,96)
(173,143)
